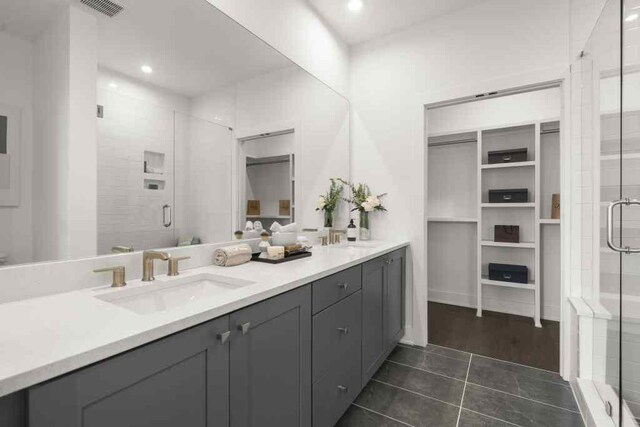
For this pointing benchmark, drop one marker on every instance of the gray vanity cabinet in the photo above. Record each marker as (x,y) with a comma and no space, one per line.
(181,380)
(382,309)
(295,360)
(271,362)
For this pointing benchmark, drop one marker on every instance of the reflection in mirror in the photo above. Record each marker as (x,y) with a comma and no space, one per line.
(151,124)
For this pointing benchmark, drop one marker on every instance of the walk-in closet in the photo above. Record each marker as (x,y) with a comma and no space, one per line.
(494,240)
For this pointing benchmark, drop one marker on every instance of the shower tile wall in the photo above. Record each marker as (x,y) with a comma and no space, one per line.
(129,214)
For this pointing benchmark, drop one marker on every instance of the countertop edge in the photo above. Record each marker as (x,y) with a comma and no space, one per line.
(46,372)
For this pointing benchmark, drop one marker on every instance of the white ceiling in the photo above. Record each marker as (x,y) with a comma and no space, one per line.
(191,46)
(380,17)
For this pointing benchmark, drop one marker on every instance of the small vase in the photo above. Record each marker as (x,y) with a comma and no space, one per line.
(365,231)
(328,219)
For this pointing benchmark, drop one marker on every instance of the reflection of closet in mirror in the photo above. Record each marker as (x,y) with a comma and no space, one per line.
(269,188)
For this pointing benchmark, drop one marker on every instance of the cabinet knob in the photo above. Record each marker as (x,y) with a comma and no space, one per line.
(344,330)
(343,389)
(224,337)
(244,328)
(343,286)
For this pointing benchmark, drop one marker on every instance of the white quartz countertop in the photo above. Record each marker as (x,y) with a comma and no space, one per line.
(42,338)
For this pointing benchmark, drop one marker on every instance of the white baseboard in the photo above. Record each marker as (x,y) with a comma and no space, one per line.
(518,308)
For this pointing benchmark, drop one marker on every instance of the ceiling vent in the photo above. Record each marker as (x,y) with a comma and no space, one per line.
(105,7)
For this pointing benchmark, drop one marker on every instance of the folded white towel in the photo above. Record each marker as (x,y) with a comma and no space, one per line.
(230,256)
(275,227)
(289,228)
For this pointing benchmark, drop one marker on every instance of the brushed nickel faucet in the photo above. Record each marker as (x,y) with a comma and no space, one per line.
(147,263)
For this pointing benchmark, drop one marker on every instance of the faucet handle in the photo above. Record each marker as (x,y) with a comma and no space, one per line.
(119,275)
(173,265)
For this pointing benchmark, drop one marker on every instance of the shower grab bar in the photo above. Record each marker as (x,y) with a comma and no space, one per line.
(610,243)
(164,216)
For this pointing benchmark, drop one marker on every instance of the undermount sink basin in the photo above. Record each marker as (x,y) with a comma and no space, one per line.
(169,293)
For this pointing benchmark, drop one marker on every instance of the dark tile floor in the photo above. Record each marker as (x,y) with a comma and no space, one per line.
(500,335)
(438,386)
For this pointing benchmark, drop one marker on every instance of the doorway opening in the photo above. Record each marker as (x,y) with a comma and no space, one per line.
(494,231)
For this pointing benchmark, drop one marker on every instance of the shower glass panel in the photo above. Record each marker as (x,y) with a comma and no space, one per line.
(611,183)
(628,159)
(600,175)
(203,193)
(135,173)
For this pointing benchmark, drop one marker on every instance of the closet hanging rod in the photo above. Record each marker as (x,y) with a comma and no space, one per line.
(550,131)
(459,141)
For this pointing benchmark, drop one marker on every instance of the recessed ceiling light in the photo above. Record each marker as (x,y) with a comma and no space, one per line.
(354,5)
(113,85)
(146,69)
(632,17)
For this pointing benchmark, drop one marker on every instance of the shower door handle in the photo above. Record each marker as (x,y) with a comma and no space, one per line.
(165,209)
(610,243)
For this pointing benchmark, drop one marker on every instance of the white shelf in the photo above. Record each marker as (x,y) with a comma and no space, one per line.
(521,245)
(509,165)
(625,156)
(508,205)
(550,221)
(269,216)
(451,219)
(529,286)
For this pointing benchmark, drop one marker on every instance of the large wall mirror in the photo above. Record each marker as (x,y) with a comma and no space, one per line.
(139,124)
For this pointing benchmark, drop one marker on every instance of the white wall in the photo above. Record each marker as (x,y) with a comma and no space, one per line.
(64,190)
(16,89)
(294,28)
(496,45)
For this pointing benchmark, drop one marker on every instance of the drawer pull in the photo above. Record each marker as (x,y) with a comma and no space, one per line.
(506,276)
(244,328)
(506,158)
(344,330)
(506,197)
(343,388)
(343,286)
(224,337)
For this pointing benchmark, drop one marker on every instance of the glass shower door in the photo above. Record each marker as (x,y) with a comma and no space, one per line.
(627,218)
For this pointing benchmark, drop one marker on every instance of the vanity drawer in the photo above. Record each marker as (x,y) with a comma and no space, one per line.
(333,394)
(337,333)
(332,289)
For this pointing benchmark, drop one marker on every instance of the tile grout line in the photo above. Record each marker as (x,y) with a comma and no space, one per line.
(414,392)
(493,358)
(432,353)
(526,398)
(464,389)
(493,418)
(382,415)
(425,370)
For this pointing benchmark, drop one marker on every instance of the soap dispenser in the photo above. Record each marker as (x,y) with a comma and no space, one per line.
(352,231)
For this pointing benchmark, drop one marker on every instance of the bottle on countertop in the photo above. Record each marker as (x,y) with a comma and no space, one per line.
(352,231)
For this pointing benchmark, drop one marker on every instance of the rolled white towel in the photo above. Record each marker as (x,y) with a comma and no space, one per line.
(230,256)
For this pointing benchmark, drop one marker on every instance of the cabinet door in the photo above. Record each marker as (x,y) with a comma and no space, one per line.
(181,380)
(394,300)
(373,338)
(271,362)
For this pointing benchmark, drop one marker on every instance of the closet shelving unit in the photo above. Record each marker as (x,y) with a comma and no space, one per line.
(459,180)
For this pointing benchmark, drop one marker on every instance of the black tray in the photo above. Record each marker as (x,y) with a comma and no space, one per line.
(300,255)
